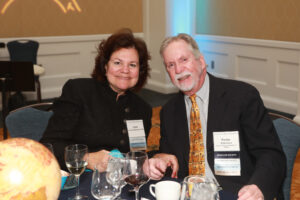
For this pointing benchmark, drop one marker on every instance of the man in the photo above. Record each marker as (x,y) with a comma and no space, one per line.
(241,149)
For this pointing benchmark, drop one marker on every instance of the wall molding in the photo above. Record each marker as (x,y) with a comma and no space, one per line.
(73,57)
(63,58)
(248,41)
(273,67)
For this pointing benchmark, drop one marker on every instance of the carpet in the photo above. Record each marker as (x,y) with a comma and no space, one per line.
(295,187)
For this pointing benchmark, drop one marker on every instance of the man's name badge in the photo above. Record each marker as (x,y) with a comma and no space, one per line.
(227,153)
(136,132)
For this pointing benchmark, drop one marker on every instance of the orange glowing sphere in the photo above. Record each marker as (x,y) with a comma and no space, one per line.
(28,171)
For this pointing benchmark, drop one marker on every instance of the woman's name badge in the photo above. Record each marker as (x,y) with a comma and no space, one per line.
(136,132)
(227,153)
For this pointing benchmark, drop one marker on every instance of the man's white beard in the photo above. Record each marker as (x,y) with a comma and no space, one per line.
(183,87)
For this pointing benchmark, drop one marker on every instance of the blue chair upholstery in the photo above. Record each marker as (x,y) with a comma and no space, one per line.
(289,135)
(23,50)
(26,50)
(27,122)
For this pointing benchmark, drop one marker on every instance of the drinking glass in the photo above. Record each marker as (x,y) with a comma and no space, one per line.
(49,146)
(76,162)
(134,170)
(100,187)
(196,187)
(115,173)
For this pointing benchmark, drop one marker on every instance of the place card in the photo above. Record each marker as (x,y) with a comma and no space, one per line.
(136,132)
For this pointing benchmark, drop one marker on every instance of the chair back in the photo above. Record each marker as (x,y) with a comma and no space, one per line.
(29,121)
(23,50)
(289,135)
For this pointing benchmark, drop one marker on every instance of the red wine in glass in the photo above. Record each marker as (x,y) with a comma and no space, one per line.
(135,180)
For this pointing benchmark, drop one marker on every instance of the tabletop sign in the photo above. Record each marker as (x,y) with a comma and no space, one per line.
(136,132)
(227,153)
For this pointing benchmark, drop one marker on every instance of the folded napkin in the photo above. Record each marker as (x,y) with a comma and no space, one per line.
(116,153)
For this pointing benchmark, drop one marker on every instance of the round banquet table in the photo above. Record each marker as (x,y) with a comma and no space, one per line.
(85,189)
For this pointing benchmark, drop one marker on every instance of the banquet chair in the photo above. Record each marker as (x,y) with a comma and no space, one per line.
(29,121)
(26,50)
(289,135)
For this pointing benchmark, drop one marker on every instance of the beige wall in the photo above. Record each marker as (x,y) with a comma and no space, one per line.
(155,32)
(31,18)
(260,19)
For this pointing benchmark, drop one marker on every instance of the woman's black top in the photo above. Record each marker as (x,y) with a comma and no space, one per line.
(87,112)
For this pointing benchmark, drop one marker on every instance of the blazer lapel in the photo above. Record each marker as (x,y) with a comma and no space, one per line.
(215,108)
(181,125)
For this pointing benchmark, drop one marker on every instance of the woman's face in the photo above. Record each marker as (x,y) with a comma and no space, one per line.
(122,70)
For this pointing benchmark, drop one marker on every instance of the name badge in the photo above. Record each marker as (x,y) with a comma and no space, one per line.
(137,137)
(227,153)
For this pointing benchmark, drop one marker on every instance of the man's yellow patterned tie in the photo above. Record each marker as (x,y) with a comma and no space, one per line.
(197,159)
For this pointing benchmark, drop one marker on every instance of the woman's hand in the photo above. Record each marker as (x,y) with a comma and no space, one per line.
(98,159)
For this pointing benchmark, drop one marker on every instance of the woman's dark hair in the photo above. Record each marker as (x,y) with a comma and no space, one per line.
(122,39)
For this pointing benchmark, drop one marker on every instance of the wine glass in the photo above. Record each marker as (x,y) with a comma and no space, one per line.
(76,156)
(134,170)
(49,146)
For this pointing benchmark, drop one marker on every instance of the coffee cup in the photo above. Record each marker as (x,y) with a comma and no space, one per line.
(166,190)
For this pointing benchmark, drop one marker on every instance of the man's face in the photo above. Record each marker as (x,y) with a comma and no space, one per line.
(185,70)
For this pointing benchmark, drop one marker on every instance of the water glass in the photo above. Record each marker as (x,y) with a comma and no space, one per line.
(100,187)
(115,173)
(197,187)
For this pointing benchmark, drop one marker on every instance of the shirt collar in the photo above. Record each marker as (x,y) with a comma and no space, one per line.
(112,93)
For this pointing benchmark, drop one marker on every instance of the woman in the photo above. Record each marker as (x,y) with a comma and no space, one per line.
(93,111)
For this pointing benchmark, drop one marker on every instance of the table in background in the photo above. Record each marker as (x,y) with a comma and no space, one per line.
(85,189)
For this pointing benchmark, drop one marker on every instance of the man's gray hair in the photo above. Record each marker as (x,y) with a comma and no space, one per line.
(181,36)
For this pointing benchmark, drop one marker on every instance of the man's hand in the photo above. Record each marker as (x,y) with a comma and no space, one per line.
(158,165)
(171,161)
(156,168)
(98,159)
(250,192)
